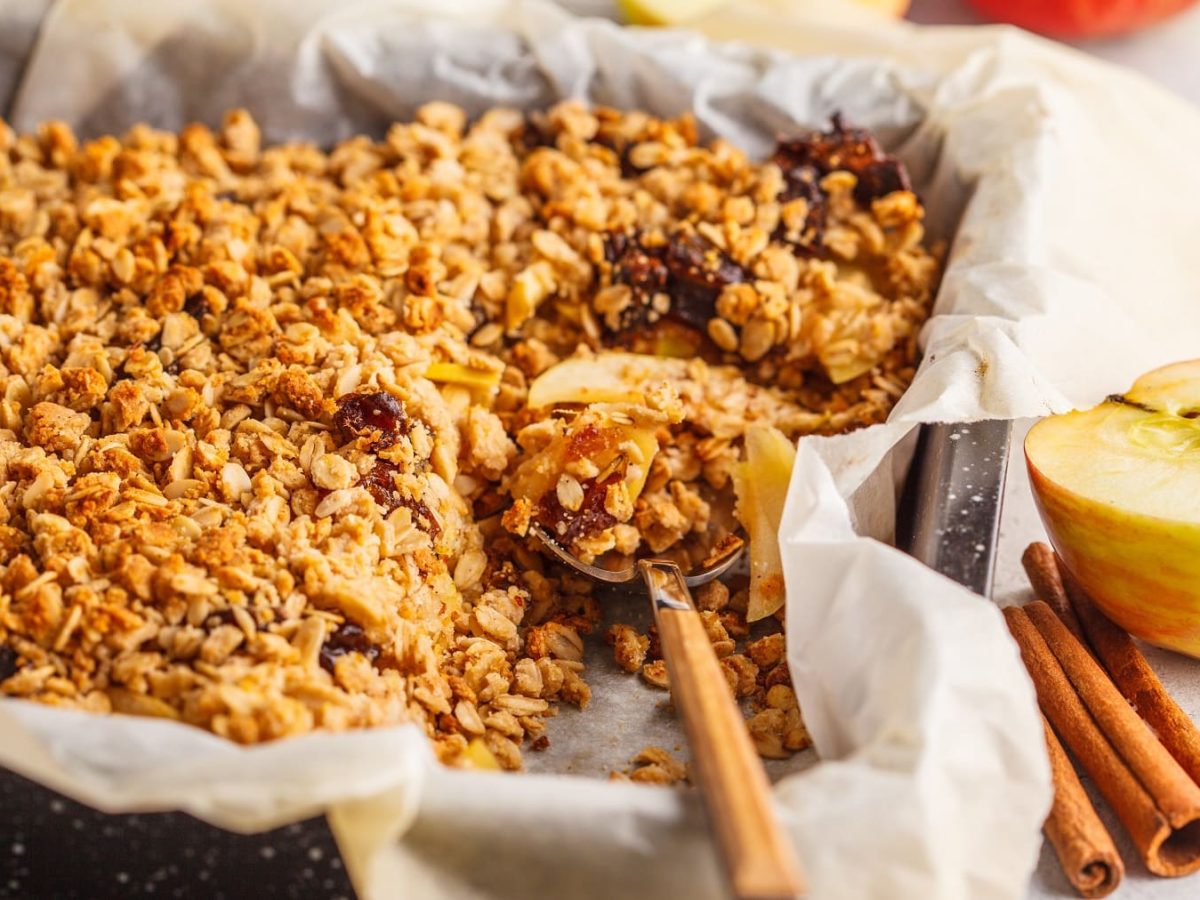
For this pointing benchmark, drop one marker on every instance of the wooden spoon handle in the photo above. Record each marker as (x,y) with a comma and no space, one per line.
(757,856)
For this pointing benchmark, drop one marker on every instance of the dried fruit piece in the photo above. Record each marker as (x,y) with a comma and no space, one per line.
(377,417)
(805,160)
(380,483)
(698,272)
(347,638)
(589,518)
(841,148)
(643,270)
(617,443)
(8,662)
(679,280)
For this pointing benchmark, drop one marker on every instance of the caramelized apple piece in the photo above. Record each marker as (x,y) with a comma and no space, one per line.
(603,378)
(588,477)
(483,380)
(850,371)
(761,483)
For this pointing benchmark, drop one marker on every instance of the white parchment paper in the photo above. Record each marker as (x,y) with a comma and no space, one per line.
(1069,273)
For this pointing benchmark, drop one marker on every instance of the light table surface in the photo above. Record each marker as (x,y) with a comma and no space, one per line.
(1170,54)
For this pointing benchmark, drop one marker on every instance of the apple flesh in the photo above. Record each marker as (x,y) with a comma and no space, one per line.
(1118,488)
(608,377)
(761,483)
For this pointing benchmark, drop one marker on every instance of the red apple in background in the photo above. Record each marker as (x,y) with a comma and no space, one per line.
(1118,488)
(1080,18)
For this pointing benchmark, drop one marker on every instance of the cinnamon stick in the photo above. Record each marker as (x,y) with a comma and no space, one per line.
(1161,814)
(1177,795)
(1135,678)
(1083,845)
(1042,569)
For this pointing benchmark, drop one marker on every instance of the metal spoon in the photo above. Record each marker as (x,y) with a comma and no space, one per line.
(758,859)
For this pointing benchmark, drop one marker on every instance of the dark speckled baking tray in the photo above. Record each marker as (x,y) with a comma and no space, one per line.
(949,516)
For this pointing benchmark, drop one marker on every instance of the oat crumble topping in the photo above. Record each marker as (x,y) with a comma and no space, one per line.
(270,429)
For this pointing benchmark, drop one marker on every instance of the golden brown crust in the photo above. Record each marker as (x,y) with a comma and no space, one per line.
(192,524)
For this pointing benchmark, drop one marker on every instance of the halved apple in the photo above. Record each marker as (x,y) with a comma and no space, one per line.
(761,484)
(1118,488)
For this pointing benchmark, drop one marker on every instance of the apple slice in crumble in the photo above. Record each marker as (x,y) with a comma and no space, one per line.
(583,483)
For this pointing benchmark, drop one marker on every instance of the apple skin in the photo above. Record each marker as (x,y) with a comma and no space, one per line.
(1080,18)
(1142,571)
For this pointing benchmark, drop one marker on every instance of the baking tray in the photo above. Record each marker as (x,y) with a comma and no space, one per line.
(949,516)
(53,847)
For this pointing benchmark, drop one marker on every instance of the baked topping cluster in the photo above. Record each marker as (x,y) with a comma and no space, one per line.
(274,420)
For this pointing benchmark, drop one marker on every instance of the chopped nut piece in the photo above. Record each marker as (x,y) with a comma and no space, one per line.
(766,730)
(655,673)
(768,651)
(629,647)
(713,596)
(556,640)
(654,765)
(574,689)
(746,674)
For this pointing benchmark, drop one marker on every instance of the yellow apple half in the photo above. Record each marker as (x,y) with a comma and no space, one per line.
(1118,488)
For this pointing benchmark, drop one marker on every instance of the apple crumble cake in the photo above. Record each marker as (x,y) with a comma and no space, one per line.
(274,420)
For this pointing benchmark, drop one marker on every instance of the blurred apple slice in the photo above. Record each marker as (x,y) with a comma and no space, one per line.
(478,756)
(761,483)
(603,378)
(674,12)
(842,374)
(1118,488)
(1174,389)
(666,12)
